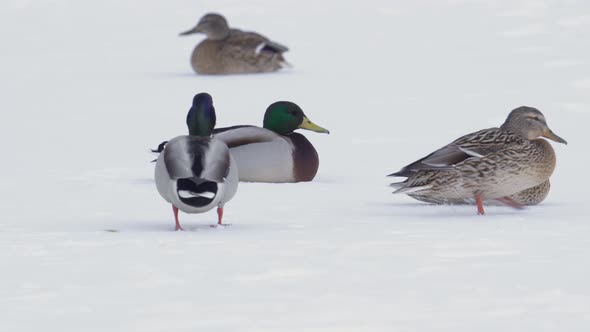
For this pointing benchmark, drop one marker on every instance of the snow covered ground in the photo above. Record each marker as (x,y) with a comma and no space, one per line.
(87,244)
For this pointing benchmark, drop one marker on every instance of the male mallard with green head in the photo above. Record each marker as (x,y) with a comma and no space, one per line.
(274,153)
(196,172)
(510,164)
(232,51)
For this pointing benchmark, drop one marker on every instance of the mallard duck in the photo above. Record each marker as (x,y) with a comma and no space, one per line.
(491,164)
(196,173)
(274,153)
(232,51)
(530,196)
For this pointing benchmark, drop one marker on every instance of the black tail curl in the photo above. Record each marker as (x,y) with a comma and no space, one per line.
(196,187)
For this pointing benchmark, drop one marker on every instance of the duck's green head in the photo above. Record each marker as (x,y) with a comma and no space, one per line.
(200,119)
(283,117)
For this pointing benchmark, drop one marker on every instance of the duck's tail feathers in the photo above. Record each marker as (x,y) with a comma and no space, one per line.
(397,185)
(196,192)
(285,64)
(404,172)
(272,46)
(160,147)
(409,190)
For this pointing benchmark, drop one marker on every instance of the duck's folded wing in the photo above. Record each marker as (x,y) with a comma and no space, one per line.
(250,43)
(242,135)
(272,46)
(474,145)
(441,159)
(216,162)
(196,157)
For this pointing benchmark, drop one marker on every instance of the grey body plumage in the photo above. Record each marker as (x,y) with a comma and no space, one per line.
(196,172)
(200,160)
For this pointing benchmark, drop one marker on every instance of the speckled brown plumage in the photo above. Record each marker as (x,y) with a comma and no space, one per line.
(233,51)
(510,163)
(530,196)
(534,195)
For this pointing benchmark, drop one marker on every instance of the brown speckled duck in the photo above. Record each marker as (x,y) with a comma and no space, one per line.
(232,51)
(527,197)
(510,164)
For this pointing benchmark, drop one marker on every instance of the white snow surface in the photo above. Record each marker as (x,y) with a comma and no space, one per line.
(87,244)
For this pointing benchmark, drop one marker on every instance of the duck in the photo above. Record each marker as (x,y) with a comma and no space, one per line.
(511,165)
(232,51)
(196,172)
(274,153)
(528,197)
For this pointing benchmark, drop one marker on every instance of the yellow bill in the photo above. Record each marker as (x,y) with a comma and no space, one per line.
(307,124)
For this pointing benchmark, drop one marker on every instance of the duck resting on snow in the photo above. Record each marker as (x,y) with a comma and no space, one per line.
(232,51)
(511,164)
(274,153)
(196,172)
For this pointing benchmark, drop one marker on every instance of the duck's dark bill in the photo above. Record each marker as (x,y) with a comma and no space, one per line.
(551,135)
(188,32)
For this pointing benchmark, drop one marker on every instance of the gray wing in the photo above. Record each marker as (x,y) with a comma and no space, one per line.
(255,42)
(254,49)
(216,162)
(196,157)
(272,46)
(242,135)
(474,145)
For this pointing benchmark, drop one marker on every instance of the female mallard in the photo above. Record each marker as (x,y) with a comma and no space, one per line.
(274,153)
(196,173)
(232,51)
(530,196)
(491,164)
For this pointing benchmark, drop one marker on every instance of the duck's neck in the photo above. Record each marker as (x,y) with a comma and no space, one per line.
(199,131)
(280,129)
(515,129)
(200,123)
(219,34)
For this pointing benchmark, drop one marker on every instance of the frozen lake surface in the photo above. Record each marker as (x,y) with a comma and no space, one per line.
(87,244)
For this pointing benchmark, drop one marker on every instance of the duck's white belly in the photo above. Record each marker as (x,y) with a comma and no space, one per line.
(265,162)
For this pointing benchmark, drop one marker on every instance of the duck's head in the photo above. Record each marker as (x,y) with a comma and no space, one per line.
(529,123)
(200,119)
(283,117)
(213,25)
